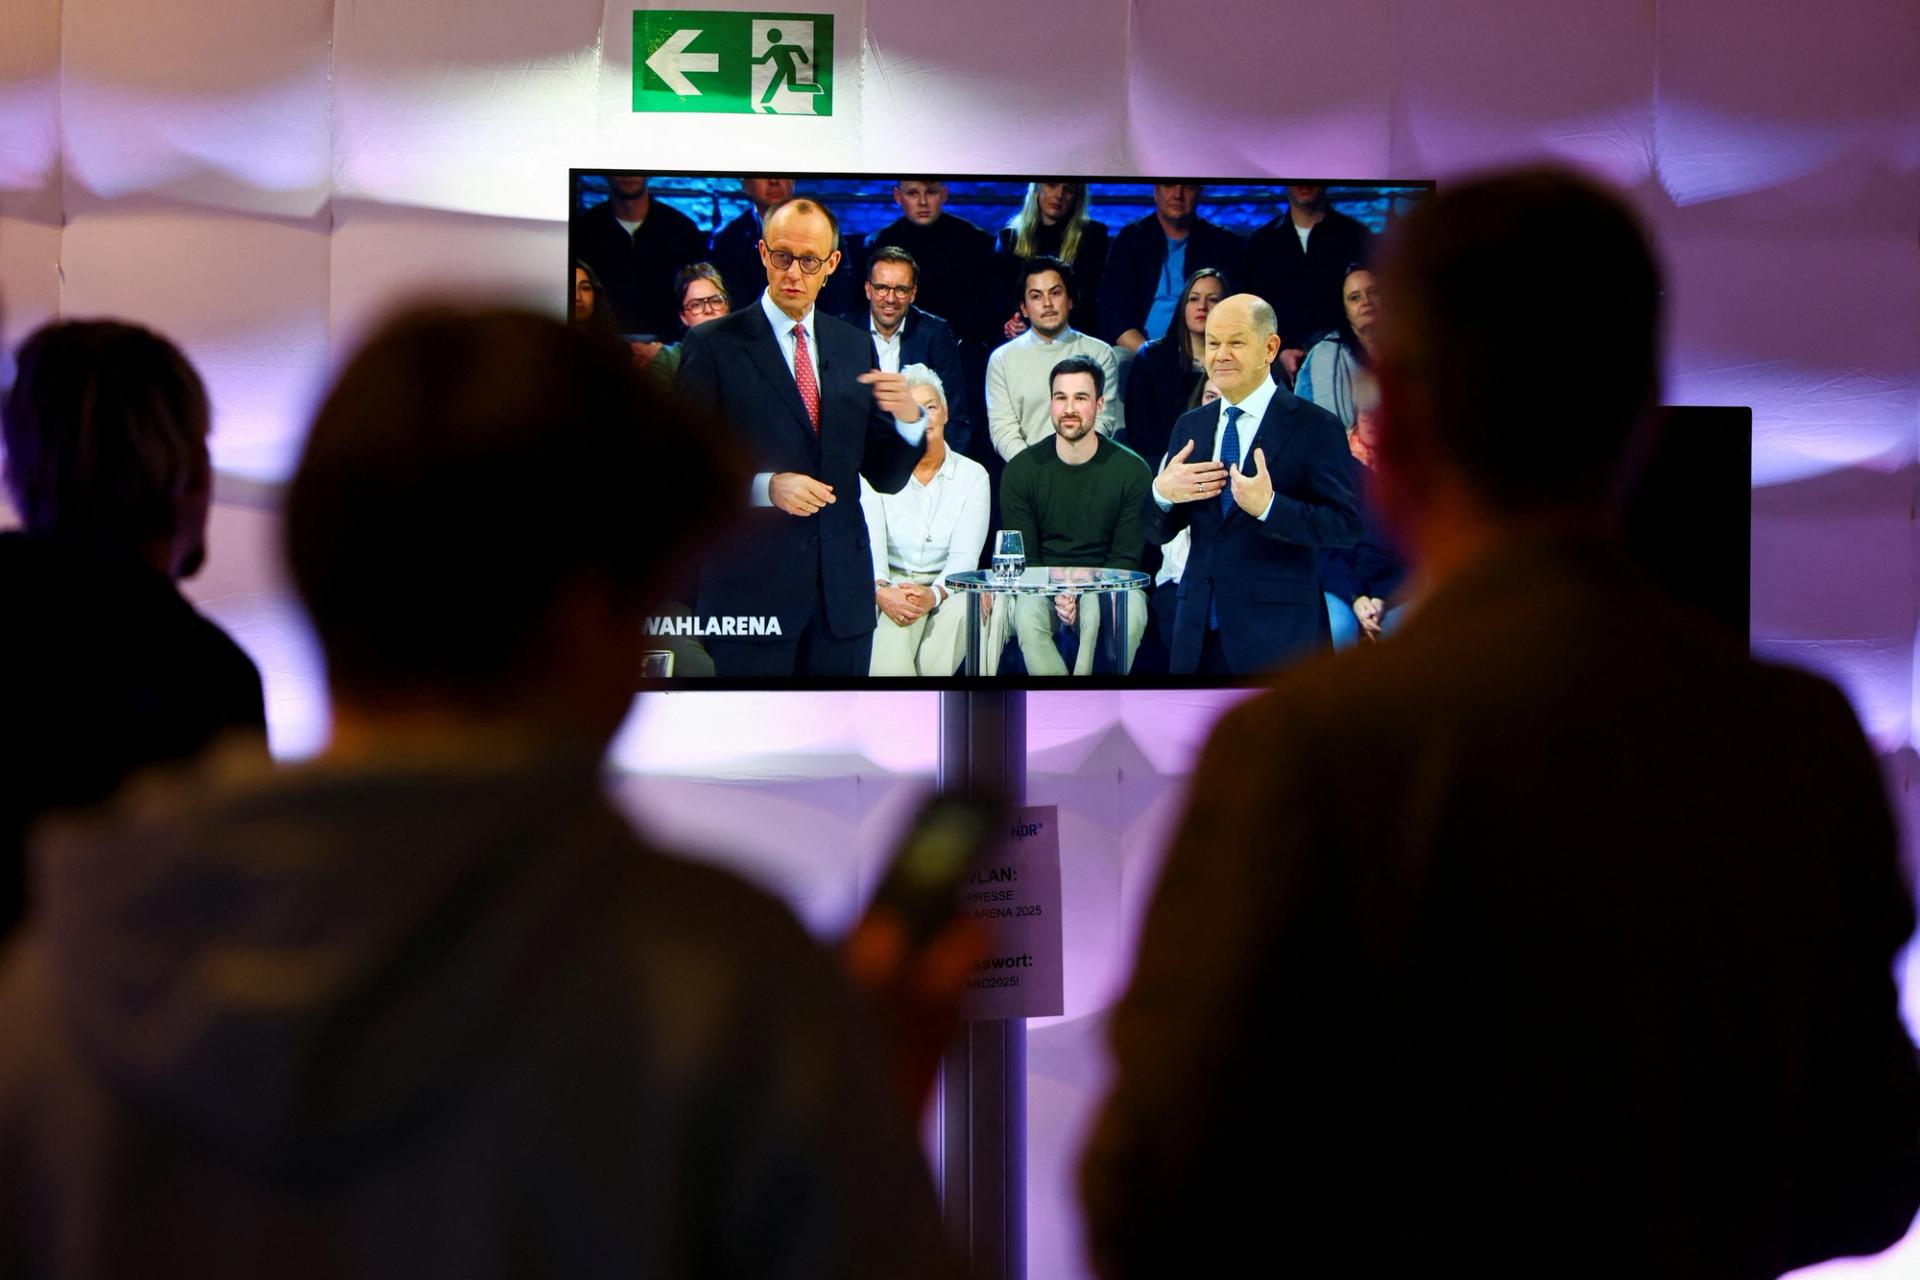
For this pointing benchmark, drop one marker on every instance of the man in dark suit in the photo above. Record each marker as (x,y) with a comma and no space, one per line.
(905,335)
(1263,479)
(815,414)
(1151,259)
(1552,934)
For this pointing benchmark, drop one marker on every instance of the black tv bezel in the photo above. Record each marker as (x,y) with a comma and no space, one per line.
(1155,682)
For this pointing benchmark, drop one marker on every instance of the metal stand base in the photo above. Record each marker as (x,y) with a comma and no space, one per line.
(983,1078)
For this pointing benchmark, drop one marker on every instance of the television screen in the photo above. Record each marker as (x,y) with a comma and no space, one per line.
(980,417)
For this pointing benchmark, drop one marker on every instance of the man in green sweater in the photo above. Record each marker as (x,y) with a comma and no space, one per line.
(1075,498)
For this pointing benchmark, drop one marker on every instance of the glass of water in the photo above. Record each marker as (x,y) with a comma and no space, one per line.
(1009,555)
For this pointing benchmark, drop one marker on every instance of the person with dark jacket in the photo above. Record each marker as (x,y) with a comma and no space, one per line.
(955,257)
(1297,262)
(904,335)
(636,245)
(1553,935)
(428,1006)
(1166,375)
(109,669)
(1364,582)
(1150,258)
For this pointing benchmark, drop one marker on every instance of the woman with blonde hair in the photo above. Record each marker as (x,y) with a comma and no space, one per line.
(1054,222)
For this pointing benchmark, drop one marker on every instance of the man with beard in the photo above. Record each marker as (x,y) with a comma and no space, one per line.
(1019,398)
(636,245)
(1075,499)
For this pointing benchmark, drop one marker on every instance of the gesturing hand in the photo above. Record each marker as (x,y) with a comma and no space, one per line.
(891,394)
(798,494)
(1254,493)
(1183,481)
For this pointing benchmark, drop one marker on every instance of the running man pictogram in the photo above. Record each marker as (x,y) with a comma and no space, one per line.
(786,59)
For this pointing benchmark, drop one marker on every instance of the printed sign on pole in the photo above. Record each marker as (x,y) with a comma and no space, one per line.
(733,62)
(1017,896)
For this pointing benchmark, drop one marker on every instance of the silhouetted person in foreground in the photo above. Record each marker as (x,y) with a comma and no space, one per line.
(1552,935)
(427,1006)
(104,667)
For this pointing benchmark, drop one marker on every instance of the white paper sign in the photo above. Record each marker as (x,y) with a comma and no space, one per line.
(1017,896)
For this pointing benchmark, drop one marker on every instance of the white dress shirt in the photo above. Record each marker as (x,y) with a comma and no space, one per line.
(938,527)
(888,348)
(1253,410)
(912,432)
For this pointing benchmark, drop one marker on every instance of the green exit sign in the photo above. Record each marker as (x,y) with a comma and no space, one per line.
(776,64)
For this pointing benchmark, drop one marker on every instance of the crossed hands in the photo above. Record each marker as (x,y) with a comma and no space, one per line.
(1183,481)
(1370,610)
(905,603)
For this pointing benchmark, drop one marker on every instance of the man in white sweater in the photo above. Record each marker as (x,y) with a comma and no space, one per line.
(1019,374)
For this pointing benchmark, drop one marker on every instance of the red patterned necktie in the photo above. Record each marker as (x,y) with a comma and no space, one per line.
(803,374)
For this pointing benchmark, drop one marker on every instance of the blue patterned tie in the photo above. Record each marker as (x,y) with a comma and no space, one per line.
(1230,454)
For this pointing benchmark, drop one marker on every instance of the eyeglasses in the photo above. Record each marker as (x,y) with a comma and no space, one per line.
(781,260)
(893,290)
(711,304)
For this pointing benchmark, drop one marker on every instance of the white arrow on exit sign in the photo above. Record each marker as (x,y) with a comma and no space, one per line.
(671,62)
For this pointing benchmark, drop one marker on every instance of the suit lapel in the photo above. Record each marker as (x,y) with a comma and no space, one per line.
(763,352)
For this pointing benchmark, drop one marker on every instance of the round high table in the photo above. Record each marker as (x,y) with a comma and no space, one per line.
(991,601)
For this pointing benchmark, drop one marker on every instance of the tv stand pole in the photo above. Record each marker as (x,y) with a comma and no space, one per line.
(982,1164)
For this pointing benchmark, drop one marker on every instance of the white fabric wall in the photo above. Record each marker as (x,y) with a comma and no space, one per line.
(259,178)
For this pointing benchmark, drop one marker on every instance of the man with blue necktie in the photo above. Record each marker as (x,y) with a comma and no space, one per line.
(1262,479)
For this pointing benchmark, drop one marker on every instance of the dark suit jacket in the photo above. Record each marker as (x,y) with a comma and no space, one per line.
(929,340)
(1551,936)
(1134,263)
(780,564)
(1263,574)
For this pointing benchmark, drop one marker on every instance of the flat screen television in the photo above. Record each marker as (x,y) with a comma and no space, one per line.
(1047,330)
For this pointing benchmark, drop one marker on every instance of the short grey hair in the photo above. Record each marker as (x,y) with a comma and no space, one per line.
(919,375)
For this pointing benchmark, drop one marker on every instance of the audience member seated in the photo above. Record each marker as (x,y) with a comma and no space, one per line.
(108,668)
(935,526)
(1337,373)
(903,334)
(1055,222)
(592,312)
(1363,582)
(1020,410)
(635,245)
(1297,262)
(1165,376)
(1152,256)
(701,296)
(1075,500)
(1555,936)
(428,1006)
(955,257)
(736,246)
